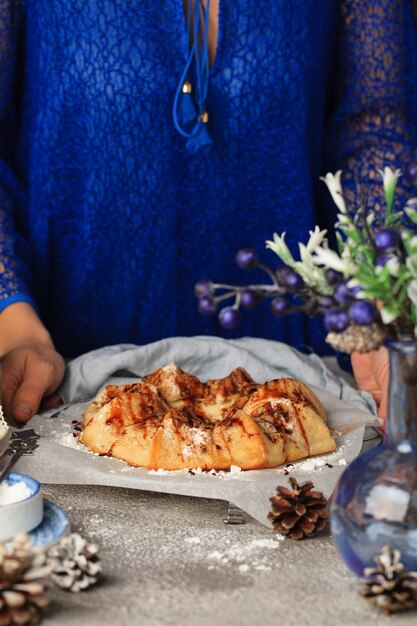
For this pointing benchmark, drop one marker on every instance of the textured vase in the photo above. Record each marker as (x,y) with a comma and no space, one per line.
(375,500)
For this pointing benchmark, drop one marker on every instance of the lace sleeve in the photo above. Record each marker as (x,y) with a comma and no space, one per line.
(374,120)
(14,267)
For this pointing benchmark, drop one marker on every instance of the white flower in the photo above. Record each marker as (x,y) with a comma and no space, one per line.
(317,237)
(352,283)
(388,314)
(370,219)
(280,248)
(412,292)
(343,219)
(389,178)
(304,252)
(312,275)
(411,209)
(392,265)
(335,187)
(411,263)
(413,244)
(412,214)
(329,258)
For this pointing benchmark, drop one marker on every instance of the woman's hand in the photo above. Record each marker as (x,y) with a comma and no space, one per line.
(371,372)
(31,375)
(32,368)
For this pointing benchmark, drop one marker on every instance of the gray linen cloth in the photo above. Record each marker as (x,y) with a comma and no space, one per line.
(205,357)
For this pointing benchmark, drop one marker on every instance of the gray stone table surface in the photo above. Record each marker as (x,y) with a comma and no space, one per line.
(171,561)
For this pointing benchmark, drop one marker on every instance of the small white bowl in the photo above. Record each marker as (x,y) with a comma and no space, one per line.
(24,515)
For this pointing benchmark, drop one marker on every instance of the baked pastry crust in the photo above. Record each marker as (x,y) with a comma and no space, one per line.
(174,421)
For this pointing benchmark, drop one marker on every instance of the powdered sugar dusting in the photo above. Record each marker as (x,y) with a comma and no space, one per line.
(193,540)
(11,493)
(170,381)
(306,466)
(168,431)
(66,436)
(317,463)
(234,472)
(195,437)
(207,545)
(68,439)
(198,436)
(187,451)
(170,368)
(245,556)
(159,472)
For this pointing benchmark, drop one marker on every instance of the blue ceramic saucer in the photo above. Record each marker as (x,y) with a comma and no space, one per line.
(53,527)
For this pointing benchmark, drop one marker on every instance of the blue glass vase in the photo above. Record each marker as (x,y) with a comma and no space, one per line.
(375,500)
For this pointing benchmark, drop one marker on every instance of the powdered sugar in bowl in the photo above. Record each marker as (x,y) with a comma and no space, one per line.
(21,505)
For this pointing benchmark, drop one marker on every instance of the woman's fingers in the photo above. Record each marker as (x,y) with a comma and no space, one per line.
(380,365)
(371,372)
(365,375)
(28,396)
(50,402)
(29,374)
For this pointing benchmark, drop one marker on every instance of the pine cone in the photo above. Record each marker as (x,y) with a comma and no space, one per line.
(357,338)
(388,586)
(75,563)
(23,575)
(300,512)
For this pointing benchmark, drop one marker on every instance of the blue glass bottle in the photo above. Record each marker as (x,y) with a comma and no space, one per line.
(375,500)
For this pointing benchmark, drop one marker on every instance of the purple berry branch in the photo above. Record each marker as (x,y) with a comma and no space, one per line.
(365,291)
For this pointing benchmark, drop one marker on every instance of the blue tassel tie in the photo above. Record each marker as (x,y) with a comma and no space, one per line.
(187,113)
(199,140)
(190,117)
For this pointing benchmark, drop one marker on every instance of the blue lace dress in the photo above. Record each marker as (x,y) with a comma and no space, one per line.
(107,221)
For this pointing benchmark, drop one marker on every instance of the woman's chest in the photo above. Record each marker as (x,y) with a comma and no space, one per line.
(120,48)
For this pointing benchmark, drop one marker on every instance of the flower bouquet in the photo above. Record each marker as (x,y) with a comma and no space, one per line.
(366,290)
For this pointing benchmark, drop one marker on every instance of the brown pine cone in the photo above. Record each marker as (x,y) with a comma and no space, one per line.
(300,512)
(388,586)
(23,583)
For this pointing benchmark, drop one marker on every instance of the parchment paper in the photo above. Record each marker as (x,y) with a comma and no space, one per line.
(61,459)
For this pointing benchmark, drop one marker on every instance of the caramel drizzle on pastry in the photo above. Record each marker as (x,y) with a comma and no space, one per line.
(173,420)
